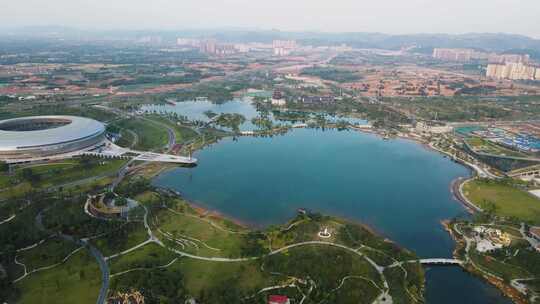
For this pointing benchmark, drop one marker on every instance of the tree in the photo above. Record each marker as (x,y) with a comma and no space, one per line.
(4,167)
(29,175)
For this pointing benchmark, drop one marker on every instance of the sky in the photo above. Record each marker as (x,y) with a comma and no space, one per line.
(385,16)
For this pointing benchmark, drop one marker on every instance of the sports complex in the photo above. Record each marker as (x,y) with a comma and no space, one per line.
(41,138)
(37,137)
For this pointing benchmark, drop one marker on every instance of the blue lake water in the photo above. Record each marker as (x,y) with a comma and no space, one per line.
(398,187)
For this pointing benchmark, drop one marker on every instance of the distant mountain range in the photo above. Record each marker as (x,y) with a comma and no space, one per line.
(496,42)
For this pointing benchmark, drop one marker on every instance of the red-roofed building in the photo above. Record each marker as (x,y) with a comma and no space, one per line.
(276,299)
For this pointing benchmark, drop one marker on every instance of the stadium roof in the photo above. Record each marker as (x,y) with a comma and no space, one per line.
(71,128)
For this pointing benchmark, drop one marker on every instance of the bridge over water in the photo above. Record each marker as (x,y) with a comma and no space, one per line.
(433,261)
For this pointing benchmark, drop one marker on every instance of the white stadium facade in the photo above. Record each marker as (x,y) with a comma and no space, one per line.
(39,137)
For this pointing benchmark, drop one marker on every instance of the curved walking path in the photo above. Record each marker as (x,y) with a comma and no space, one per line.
(142,268)
(7,220)
(27,273)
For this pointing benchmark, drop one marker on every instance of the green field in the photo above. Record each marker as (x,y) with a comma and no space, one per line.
(49,253)
(58,174)
(508,200)
(76,281)
(151,136)
(485,146)
(183,133)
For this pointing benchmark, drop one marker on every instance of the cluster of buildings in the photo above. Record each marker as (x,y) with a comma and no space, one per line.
(208,46)
(488,239)
(423,127)
(132,297)
(212,46)
(500,66)
(525,142)
(465,55)
(318,99)
(513,71)
(278,99)
(283,47)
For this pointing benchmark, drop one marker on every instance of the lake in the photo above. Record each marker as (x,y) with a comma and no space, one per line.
(398,187)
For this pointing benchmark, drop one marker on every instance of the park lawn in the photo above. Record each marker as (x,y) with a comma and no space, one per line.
(148,256)
(76,281)
(503,270)
(151,135)
(486,146)
(126,237)
(475,142)
(126,139)
(77,173)
(146,197)
(509,201)
(182,133)
(4,180)
(25,187)
(16,190)
(355,291)
(95,184)
(51,252)
(196,228)
(22,187)
(326,265)
(204,275)
(378,257)
(59,173)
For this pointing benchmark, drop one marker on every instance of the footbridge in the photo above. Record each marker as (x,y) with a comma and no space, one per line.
(434,261)
(440,262)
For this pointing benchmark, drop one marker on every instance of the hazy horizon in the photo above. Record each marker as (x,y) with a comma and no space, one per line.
(382,16)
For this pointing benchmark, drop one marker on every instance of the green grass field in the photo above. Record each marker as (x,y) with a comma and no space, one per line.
(49,253)
(182,133)
(508,201)
(151,135)
(126,140)
(224,244)
(55,174)
(201,275)
(486,146)
(76,281)
(148,257)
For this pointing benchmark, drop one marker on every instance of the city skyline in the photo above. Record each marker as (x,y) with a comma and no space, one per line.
(385,16)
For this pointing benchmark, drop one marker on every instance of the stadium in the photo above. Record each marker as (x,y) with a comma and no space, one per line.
(38,137)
